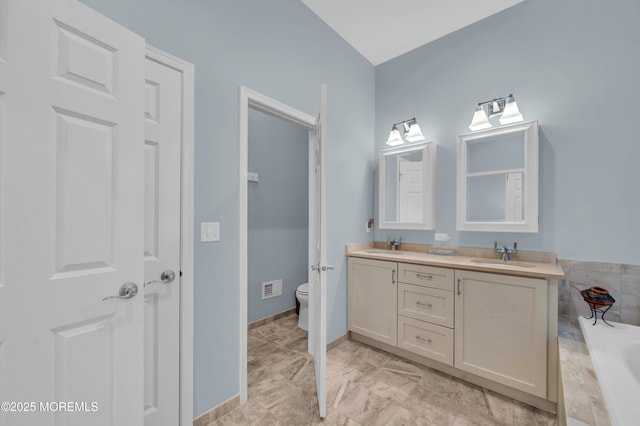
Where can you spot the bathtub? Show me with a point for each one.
(615, 353)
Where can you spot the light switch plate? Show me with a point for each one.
(209, 231)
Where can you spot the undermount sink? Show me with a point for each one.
(383, 251)
(502, 263)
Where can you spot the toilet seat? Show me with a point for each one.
(303, 289)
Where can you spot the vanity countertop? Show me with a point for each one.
(519, 266)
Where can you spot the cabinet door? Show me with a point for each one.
(501, 329)
(373, 299)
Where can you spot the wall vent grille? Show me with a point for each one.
(271, 289)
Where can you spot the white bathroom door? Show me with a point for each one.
(514, 207)
(72, 216)
(162, 159)
(410, 191)
(318, 256)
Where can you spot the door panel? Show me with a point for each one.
(162, 148)
(72, 343)
(84, 177)
(74, 211)
(84, 61)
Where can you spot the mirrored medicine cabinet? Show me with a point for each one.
(497, 179)
(406, 187)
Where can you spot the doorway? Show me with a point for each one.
(317, 229)
(278, 214)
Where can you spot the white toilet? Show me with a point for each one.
(302, 294)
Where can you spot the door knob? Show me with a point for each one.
(321, 268)
(127, 291)
(165, 278)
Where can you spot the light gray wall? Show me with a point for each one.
(278, 227)
(281, 49)
(572, 65)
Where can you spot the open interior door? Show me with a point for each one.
(318, 256)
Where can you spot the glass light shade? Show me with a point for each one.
(480, 120)
(394, 138)
(414, 134)
(511, 113)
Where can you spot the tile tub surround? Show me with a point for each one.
(365, 387)
(622, 281)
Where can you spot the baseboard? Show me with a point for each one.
(267, 320)
(337, 342)
(216, 412)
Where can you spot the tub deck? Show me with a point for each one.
(615, 353)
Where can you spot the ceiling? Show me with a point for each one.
(383, 29)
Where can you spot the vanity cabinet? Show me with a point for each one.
(425, 311)
(373, 295)
(501, 329)
(496, 330)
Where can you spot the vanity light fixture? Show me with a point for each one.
(506, 107)
(410, 129)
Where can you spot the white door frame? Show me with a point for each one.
(186, 243)
(257, 101)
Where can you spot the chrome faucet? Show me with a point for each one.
(505, 251)
(393, 243)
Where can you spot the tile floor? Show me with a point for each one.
(365, 387)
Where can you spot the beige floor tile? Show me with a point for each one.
(247, 414)
(477, 420)
(391, 385)
(511, 412)
(365, 387)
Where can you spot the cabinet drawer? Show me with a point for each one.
(429, 340)
(429, 276)
(426, 304)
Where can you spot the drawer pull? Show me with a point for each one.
(459, 287)
(393, 276)
(423, 339)
(424, 277)
(428, 305)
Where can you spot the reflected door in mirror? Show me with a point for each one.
(407, 177)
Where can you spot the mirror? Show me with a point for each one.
(406, 185)
(498, 179)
